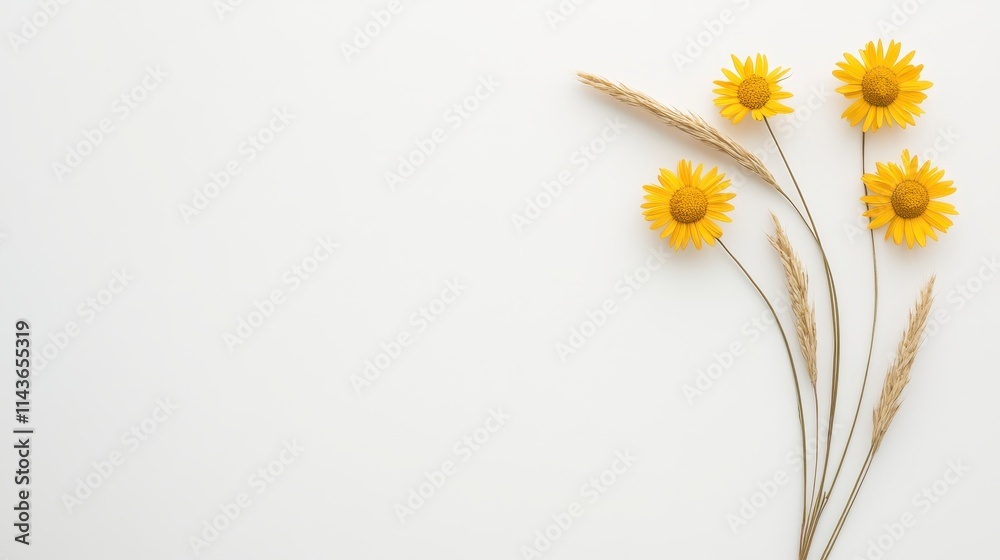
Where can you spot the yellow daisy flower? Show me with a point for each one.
(906, 199)
(751, 90)
(886, 88)
(686, 204)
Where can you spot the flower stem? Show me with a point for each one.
(871, 342)
(795, 376)
(835, 312)
(858, 482)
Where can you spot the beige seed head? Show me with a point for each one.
(898, 374)
(688, 123)
(797, 280)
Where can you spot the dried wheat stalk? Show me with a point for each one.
(798, 293)
(689, 123)
(898, 374)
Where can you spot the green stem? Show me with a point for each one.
(858, 482)
(835, 312)
(871, 342)
(791, 362)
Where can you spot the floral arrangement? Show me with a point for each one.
(688, 204)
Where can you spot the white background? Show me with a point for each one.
(495, 347)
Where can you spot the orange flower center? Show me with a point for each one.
(880, 87)
(754, 92)
(688, 205)
(910, 199)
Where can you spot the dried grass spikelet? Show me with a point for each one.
(898, 374)
(798, 293)
(689, 123)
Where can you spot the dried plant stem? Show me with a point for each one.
(855, 490)
(816, 457)
(795, 376)
(890, 400)
(689, 123)
(835, 377)
(871, 342)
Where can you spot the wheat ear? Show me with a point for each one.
(688, 123)
(798, 293)
(898, 374)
